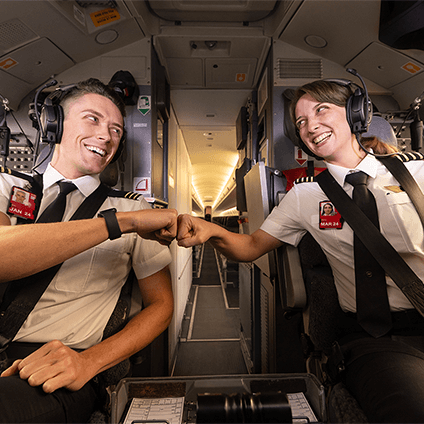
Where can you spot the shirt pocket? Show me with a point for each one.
(95, 269)
(407, 234)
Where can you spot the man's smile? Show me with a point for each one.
(96, 150)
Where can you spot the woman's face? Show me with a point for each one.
(324, 129)
(328, 209)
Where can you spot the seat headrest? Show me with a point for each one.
(382, 129)
(110, 174)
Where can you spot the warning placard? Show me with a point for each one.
(142, 185)
(105, 16)
(412, 68)
(240, 77)
(300, 156)
(8, 63)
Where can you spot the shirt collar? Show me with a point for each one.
(368, 165)
(86, 184)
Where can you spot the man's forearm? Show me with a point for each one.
(142, 329)
(28, 249)
(133, 338)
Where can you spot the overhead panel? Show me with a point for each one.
(99, 26)
(13, 34)
(91, 16)
(230, 73)
(331, 30)
(196, 57)
(385, 65)
(185, 72)
(34, 61)
(212, 11)
(13, 89)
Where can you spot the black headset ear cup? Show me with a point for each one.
(60, 119)
(358, 112)
(51, 120)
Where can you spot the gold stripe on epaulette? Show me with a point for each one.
(5, 170)
(131, 195)
(304, 180)
(408, 156)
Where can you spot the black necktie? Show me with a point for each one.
(372, 304)
(54, 212)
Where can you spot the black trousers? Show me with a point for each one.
(386, 375)
(21, 403)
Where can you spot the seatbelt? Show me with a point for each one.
(410, 284)
(16, 308)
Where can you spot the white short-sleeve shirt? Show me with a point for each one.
(399, 223)
(77, 305)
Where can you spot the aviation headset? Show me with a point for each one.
(358, 108)
(50, 118)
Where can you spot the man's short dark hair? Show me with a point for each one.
(92, 86)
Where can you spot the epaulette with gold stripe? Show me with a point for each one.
(304, 180)
(408, 156)
(5, 170)
(125, 194)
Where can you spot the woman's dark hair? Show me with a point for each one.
(322, 91)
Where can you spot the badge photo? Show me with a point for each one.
(328, 216)
(22, 203)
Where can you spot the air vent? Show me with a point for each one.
(299, 68)
(14, 34)
(101, 3)
(264, 300)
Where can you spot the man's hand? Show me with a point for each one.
(192, 231)
(53, 366)
(156, 224)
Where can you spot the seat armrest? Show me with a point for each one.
(293, 291)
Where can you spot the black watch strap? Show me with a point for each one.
(111, 223)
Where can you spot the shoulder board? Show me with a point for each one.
(408, 156)
(125, 194)
(304, 180)
(5, 170)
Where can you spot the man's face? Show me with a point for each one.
(20, 196)
(92, 131)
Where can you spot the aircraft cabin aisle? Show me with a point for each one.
(210, 338)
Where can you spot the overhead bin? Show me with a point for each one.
(212, 11)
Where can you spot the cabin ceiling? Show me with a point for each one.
(202, 45)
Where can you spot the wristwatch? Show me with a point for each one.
(111, 223)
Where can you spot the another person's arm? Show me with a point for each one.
(237, 247)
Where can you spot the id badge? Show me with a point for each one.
(22, 203)
(329, 217)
